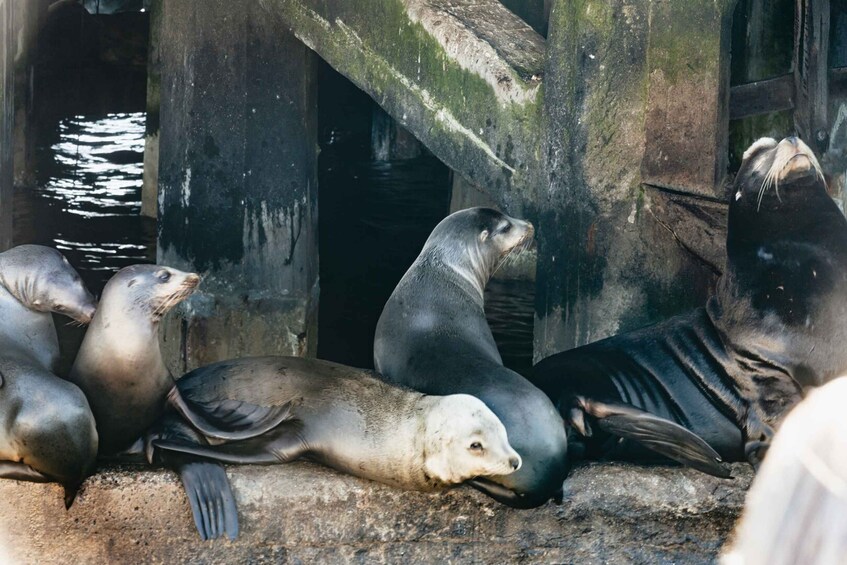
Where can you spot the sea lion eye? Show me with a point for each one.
(476, 446)
(505, 228)
(163, 275)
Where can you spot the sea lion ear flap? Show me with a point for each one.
(483, 235)
(658, 434)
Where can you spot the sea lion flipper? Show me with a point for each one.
(283, 447)
(22, 472)
(211, 499)
(229, 420)
(658, 434)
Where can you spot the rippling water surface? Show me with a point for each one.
(88, 196)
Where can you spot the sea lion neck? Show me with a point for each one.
(31, 333)
(469, 272)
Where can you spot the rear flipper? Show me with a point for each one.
(211, 499)
(23, 472)
(206, 484)
(229, 420)
(658, 434)
(280, 446)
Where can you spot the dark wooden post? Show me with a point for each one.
(7, 113)
(238, 181)
(811, 70)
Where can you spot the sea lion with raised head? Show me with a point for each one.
(120, 368)
(728, 372)
(350, 420)
(433, 337)
(47, 431)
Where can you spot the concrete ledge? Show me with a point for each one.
(306, 513)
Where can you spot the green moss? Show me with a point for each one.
(686, 37)
(370, 42)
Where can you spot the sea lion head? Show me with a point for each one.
(475, 242)
(773, 174)
(149, 289)
(43, 280)
(465, 440)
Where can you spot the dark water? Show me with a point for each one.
(88, 196)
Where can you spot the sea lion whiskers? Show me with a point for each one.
(181, 293)
(786, 151)
(511, 255)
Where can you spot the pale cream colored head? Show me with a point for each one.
(464, 440)
(775, 162)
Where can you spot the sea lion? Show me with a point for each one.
(47, 431)
(350, 420)
(728, 372)
(433, 337)
(119, 367)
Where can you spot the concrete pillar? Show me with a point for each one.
(7, 111)
(150, 183)
(614, 252)
(238, 181)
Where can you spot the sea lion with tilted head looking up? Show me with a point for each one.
(47, 430)
(347, 419)
(433, 337)
(728, 372)
(120, 368)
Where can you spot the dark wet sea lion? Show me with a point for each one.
(350, 420)
(47, 429)
(433, 337)
(729, 372)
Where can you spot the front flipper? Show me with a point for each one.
(211, 499)
(23, 472)
(284, 446)
(229, 420)
(510, 498)
(658, 434)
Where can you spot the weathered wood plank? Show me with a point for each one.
(811, 70)
(7, 112)
(761, 97)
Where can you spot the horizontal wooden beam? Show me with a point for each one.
(761, 97)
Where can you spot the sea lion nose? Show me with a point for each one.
(192, 279)
(515, 463)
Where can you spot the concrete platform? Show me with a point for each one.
(304, 513)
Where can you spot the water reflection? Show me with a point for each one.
(97, 166)
(88, 196)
